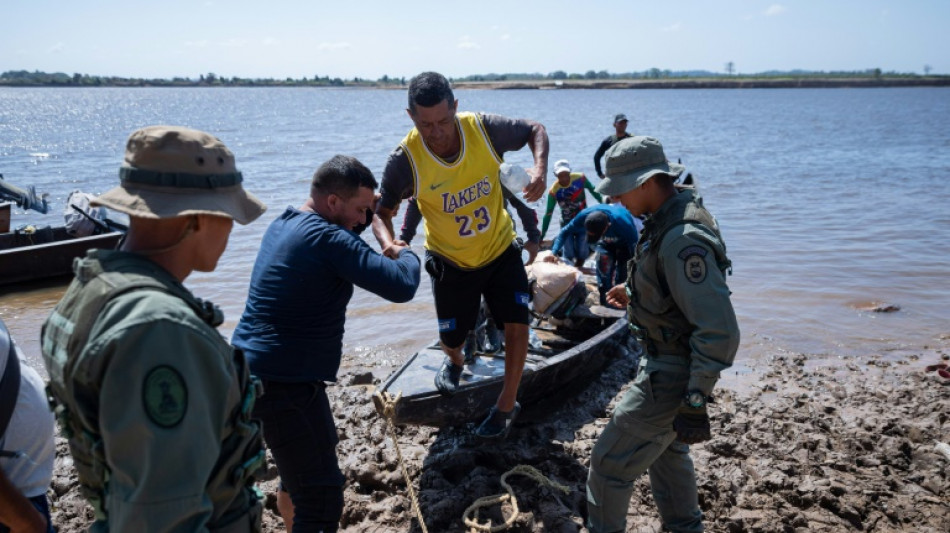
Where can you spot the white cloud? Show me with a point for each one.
(57, 48)
(466, 42)
(775, 9)
(269, 41)
(234, 43)
(676, 26)
(197, 44)
(333, 46)
(505, 37)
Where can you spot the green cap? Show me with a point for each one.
(631, 162)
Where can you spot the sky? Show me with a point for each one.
(371, 38)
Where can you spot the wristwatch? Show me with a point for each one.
(695, 399)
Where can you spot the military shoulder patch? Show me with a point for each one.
(165, 396)
(694, 263)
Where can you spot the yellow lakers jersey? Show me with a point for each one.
(461, 202)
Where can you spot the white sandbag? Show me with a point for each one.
(551, 282)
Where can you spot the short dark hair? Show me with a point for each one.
(428, 89)
(596, 224)
(342, 175)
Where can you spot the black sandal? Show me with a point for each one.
(498, 423)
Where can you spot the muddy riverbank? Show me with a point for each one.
(796, 447)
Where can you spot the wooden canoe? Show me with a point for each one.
(45, 253)
(571, 353)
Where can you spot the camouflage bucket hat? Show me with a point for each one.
(172, 171)
(631, 162)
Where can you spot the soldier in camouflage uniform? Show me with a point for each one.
(679, 308)
(155, 403)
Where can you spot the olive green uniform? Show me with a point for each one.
(154, 401)
(681, 312)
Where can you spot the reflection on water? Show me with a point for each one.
(827, 198)
(24, 309)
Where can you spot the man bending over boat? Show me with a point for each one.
(449, 161)
(292, 330)
(613, 232)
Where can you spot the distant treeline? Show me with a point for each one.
(659, 74)
(59, 79)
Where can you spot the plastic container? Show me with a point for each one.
(515, 179)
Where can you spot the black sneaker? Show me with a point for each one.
(498, 423)
(447, 378)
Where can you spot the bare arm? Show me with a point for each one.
(538, 143)
(16, 512)
(383, 230)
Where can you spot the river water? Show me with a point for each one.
(829, 199)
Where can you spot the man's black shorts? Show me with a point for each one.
(458, 293)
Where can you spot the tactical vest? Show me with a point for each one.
(654, 317)
(101, 276)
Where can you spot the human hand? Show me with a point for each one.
(537, 186)
(617, 296)
(552, 259)
(692, 425)
(392, 251)
(532, 249)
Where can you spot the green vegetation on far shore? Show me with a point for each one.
(652, 78)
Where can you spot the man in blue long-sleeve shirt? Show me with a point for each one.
(614, 233)
(292, 330)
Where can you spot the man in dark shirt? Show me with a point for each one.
(292, 330)
(620, 125)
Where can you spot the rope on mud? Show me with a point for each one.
(486, 501)
(389, 411)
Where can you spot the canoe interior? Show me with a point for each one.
(571, 352)
(46, 253)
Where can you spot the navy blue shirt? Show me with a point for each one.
(292, 326)
(623, 229)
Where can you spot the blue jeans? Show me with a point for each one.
(42, 505)
(575, 248)
(640, 438)
(299, 430)
(611, 267)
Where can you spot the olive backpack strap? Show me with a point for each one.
(9, 386)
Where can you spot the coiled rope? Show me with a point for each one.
(388, 403)
(525, 470)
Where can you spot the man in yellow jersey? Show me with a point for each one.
(449, 161)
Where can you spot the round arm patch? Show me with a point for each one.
(165, 396)
(694, 263)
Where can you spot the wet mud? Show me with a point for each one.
(848, 447)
